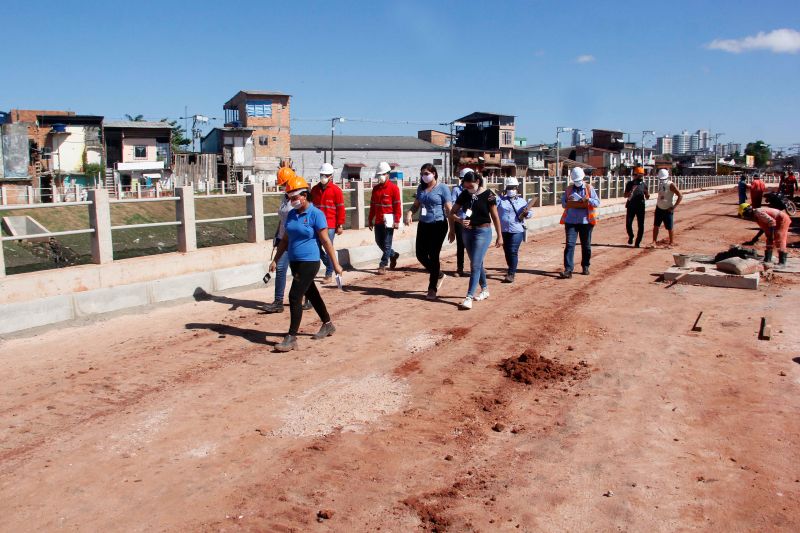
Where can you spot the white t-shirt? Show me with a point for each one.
(665, 195)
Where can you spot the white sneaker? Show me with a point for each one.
(482, 296)
(467, 303)
(440, 282)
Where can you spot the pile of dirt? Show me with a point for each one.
(531, 367)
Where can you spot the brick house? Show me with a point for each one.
(485, 142)
(138, 151)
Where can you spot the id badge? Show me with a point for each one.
(468, 213)
(423, 212)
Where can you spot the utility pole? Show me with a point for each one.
(333, 129)
(716, 155)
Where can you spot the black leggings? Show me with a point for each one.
(303, 273)
(638, 212)
(459, 249)
(430, 237)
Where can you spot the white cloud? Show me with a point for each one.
(586, 58)
(782, 41)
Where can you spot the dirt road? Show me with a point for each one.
(183, 419)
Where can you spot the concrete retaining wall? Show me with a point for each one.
(59, 295)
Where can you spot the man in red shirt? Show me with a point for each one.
(757, 191)
(790, 185)
(328, 198)
(385, 210)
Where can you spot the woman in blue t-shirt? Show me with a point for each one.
(306, 230)
(433, 203)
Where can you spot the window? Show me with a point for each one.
(140, 152)
(437, 162)
(231, 115)
(259, 108)
(507, 138)
(263, 140)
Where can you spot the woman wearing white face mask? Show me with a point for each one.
(433, 203)
(512, 210)
(480, 212)
(306, 229)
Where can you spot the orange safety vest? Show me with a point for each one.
(591, 215)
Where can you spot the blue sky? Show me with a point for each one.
(628, 65)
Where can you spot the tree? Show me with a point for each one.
(761, 152)
(135, 118)
(178, 139)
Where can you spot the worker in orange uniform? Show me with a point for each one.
(385, 210)
(775, 223)
(757, 188)
(328, 198)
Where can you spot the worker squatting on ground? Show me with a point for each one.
(285, 173)
(306, 229)
(636, 193)
(512, 209)
(480, 212)
(775, 223)
(458, 189)
(580, 203)
(385, 210)
(433, 203)
(328, 198)
(665, 206)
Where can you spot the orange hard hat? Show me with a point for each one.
(296, 183)
(284, 175)
(638, 170)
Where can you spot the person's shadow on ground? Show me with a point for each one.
(393, 293)
(200, 295)
(534, 272)
(253, 335)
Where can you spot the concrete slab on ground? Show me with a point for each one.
(711, 277)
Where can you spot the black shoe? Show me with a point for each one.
(460, 273)
(393, 261)
(630, 241)
(274, 307)
(585, 271)
(326, 330)
(509, 278)
(565, 275)
(307, 305)
(288, 344)
(783, 258)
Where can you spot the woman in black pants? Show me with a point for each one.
(306, 230)
(433, 203)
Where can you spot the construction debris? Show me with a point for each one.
(697, 326)
(765, 332)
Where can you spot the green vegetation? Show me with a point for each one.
(761, 152)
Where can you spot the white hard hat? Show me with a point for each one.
(511, 182)
(383, 168)
(326, 169)
(576, 174)
(663, 174)
(464, 172)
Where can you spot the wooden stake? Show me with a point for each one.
(765, 333)
(697, 326)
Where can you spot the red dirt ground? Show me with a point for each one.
(182, 418)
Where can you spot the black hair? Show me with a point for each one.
(473, 176)
(430, 168)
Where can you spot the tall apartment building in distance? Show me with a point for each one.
(704, 138)
(681, 143)
(664, 145)
(578, 138)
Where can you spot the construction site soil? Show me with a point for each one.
(586, 404)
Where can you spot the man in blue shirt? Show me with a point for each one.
(580, 202)
(512, 210)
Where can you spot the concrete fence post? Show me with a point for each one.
(29, 194)
(255, 208)
(100, 222)
(357, 200)
(3, 195)
(525, 188)
(539, 187)
(2, 261)
(184, 213)
(555, 190)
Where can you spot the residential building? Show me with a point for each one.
(255, 138)
(532, 160)
(604, 161)
(356, 157)
(37, 137)
(664, 145)
(439, 138)
(681, 143)
(694, 143)
(704, 140)
(608, 139)
(71, 144)
(485, 142)
(138, 151)
(578, 138)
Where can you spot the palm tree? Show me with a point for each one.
(136, 118)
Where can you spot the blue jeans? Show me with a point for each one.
(383, 238)
(476, 242)
(324, 255)
(584, 231)
(511, 243)
(280, 274)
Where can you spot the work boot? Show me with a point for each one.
(585, 271)
(565, 275)
(274, 307)
(768, 256)
(509, 278)
(288, 344)
(393, 261)
(326, 330)
(783, 257)
(431, 295)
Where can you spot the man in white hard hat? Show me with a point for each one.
(328, 198)
(385, 210)
(665, 206)
(458, 189)
(580, 203)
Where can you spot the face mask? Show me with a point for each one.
(511, 193)
(382, 178)
(324, 180)
(296, 203)
(577, 185)
(427, 178)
